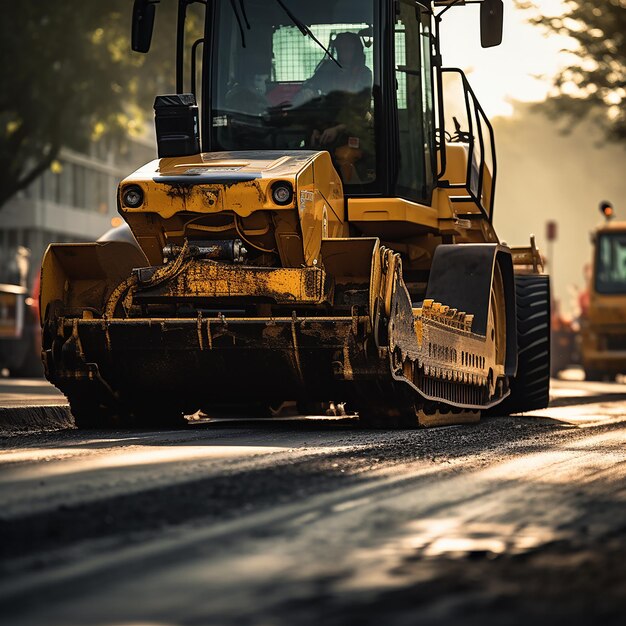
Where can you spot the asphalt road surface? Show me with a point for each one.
(514, 520)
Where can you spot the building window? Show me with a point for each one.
(79, 187)
(52, 187)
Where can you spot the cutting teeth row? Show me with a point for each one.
(445, 315)
(456, 376)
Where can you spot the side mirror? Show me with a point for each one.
(491, 20)
(143, 24)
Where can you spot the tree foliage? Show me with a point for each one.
(68, 77)
(594, 83)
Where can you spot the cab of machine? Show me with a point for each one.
(609, 268)
(326, 76)
(360, 79)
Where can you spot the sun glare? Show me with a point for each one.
(519, 69)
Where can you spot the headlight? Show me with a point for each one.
(132, 196)
(282, 193)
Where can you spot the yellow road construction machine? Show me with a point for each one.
(603, 325)
(314, 230)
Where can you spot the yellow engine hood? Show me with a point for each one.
(229, 194)
(214, 181)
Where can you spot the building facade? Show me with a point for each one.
(72, 202)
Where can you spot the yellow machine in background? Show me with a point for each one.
(323, 237)
(603, 328)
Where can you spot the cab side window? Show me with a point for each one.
(414, 102)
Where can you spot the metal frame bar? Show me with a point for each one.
(194, 49)
(471, 99)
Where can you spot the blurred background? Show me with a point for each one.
(555, 91)
(76, 117)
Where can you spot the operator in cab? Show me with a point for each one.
(343, 123)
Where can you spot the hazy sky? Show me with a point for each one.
(508, 72)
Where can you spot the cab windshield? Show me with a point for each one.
(611, 263)
(274, 87)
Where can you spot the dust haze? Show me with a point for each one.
(545, 175)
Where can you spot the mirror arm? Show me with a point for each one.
(448, 7)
